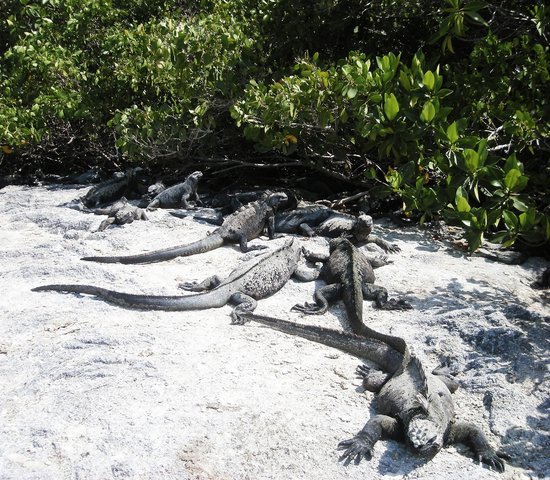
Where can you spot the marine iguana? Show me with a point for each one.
(240, 227)
(255, 279)
(120, 213)
(413, 405)
(320, 220)
(349, 275)
(112, 189)
(543, 282)
(152, 191)
(179, 194)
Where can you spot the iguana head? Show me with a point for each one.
(425, 436)
(275, 199)
(428, 428)
(196, 175)
(363, 227)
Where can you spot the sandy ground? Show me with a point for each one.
(93, 391)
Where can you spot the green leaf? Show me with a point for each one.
(519, 204)
(352, 92)
(405, 81)
(462, 205)
(428, 112)
(429, 80)
(527, 219)
(512, 162)
(476, 17)
(471, 158)
(475, 239)
(391, 106)
(510, 219)
(512, 178)
(452, 132)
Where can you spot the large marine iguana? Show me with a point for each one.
(255, 279)
(122, 184)
(413, 405)
(349, 275)
(179, 194)
(323, 221)
(120, 213)
(240, 227)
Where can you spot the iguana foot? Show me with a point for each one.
(393, 248)
(191, 286)
(492, 459)
(308, 308)
(356, 449)
(237, 319)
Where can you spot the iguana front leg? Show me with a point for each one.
(360, 446)
(383, 244)
(105, 223)
(472, 436)
(322, 296)
(270, 224)
(243, 244)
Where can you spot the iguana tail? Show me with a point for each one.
(378, 351)
(200, 246)
(200, 301)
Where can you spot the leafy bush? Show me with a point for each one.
(460, 130)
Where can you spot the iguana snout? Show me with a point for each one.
(424, 436)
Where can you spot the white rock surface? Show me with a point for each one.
(92, 391)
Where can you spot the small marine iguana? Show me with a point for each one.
(349, 275)
(112, 189)
(257, 278)
(179, 194)
(320, 220)
(413, 405)
(120, 213)
(543, 282)
(240, 227)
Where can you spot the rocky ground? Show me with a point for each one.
(93, 391)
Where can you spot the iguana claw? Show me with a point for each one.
(356, 449)
(492, 459)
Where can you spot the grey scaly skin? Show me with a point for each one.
(178, 195)
(120, 213)
(414, 406)
(112, 189)
(240, 227)
(320, 220)
(255, 279)
(349, 275)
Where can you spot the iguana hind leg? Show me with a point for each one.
(207, 284)
(360, 446)
(373, 379)
(323, 296)
(245, 304)
(380, 296)
(472, 436)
